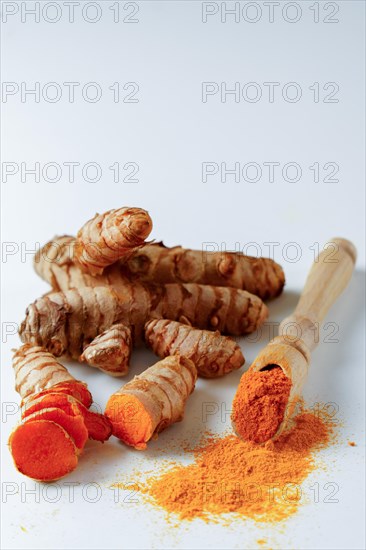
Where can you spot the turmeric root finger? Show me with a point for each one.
(43, 450)
(157, 263)
(229, 310)
(98, 425)
(37, 370)
(110, 351)
(111, 236)
(64, 322)
(214, 355)
(152, 401)
(55, 263)
(74, 425)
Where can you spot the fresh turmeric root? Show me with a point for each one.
(56, 422)
(110, 351)
(155, 263)
(65, 322)
(37, 372)
(111, 236)
(214, 355)
(152, 401)
(55, 263)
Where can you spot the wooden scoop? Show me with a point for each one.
(298, 333)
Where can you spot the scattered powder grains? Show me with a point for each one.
(259, 404)
(228, 475)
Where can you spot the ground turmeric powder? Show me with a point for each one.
(261, 482)
(259, 404)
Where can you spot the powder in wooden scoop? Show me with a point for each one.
(260, 403)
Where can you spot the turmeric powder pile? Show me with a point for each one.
(228, 475)
(260, 403)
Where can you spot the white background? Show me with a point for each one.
(169, 133)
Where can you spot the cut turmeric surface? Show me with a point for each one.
(43, 450)
(231, 476)
(97, 425)
(259, 404)
(111, 236)
(53, 419)
(152, 401)
(213, 354)
(73, 425)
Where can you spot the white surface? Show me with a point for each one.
(170, 133)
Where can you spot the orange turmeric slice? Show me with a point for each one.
(43, 450)
(98, 425)
(76, 389)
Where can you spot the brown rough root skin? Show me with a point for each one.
(36, 370)
(157, 263)
(110, 351)
(65, 322)
(214, 355)
(111, 236)
(152, 401)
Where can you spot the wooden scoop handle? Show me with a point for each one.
(328, 277)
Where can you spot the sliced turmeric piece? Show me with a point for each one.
(214, 355)
(52, 412)
(43, 450)
(72, 424)
(77, 390)
(152, 401)
(111, 236)
(97, 425)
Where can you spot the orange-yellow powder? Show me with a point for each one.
(262, 482)
(260, 403)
